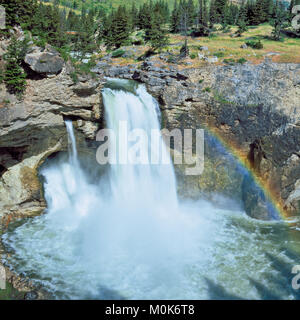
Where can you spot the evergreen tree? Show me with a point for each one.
(175, 17)
(279, 20)
(134, 14)
(144, 16)
(250, 16)
(19, 12)
(242, 26)
(156, 34)
(203, 19)
(47, 25)
(268, 8)
(259, 14)
(220, 7)
(119, 28)
(212, 13)
(192, 13)
(14, 75)
(85, 41)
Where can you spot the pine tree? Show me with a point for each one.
(175, 25)
(144, 16)
(259, 14)
(134, 14)
(119, 28)
(250, 16)
(19, 12)
(280, 18)
(47, 25)
(14, 75)
(268, 8)
(212, 13)
(157, 35)
(242, 26)
(203, 18)
(220, 7)
(192, 13)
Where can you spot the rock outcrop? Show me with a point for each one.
(253, 108)
(33, 129)
(44, 61)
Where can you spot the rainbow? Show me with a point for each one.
(270, 194)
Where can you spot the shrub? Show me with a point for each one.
(255, 44)
(193, 56)
(241, 60)
(64, 52)
(117, 53)
(219, 54)
(172, 59)
(207, 89)
(81, 68)
(229, 61)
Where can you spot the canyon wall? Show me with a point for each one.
(253, 108)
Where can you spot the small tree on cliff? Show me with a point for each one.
(14, 75)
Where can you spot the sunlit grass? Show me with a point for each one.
(288, 50)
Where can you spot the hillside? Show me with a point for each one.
(108, 4)
(104, 4)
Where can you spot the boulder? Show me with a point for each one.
(201, 56)
(47, 62)
(203, 48)
(213, 59)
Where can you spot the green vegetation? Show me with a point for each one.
(255, 44)
(13, 74)
(117, 53)
(241, 60)
(79, 30)
(10, 293)
(231, 61)
(220, 98)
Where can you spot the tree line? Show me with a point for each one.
(83, 33)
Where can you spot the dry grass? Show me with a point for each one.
(288, 50)
(230, 47)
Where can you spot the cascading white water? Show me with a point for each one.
(127, 236)
(73, 156)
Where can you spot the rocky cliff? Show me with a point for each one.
(33, 129)
(254, 108)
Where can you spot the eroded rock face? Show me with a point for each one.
(33, 129)
(254, 108)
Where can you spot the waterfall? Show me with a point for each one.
(139, 185)
(73, 156)
(125, 235)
